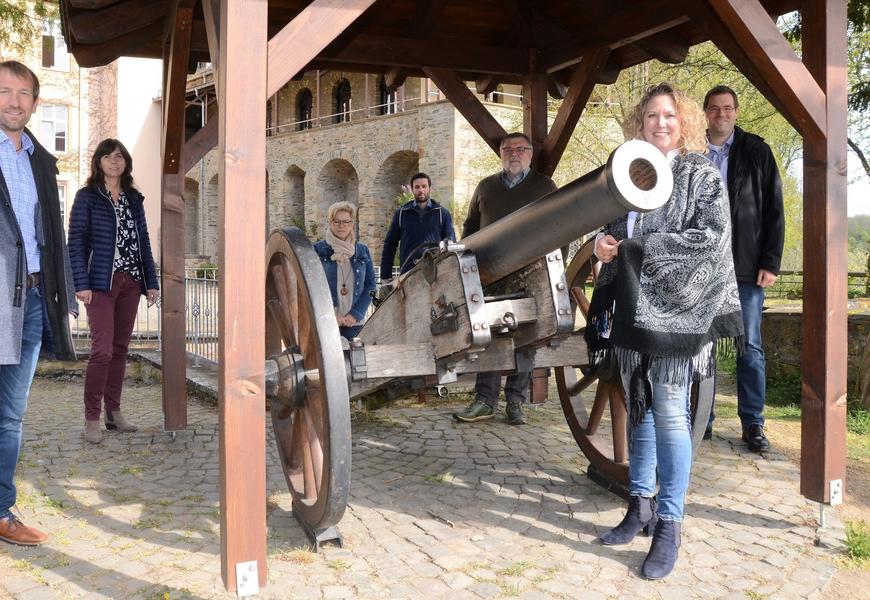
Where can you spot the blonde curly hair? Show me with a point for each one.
(693, 125)
(342, 206)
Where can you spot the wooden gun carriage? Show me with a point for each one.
(501, 299)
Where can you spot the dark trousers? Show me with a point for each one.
(111, 316)
(516, 387)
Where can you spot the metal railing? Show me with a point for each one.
(790, 285)
(201, 317)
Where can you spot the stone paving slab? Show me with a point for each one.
(437, 509)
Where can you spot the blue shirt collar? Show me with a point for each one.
(724, 147)
(26, 142)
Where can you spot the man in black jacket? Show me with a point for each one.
(758, 230)
(36, 292)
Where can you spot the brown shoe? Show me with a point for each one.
(93, 433)
(116, 421)
(12, 530)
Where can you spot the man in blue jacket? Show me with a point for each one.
(416, 223)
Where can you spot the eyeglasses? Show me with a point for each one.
(342, 222)
(514, 149)
(725, 110)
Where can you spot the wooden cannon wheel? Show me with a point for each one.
(608, 454)
(312, 421)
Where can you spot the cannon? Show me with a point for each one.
(501, 299)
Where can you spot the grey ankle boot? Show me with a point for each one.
(641, 516)
(664, 550)
(116, 421)
(93, 433)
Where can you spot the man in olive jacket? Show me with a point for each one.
(36, 292)
(749, 170)
(496, 197)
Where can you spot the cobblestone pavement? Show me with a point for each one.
(437, 509)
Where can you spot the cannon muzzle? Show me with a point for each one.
(636, 177)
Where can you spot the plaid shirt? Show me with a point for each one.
(22, 188)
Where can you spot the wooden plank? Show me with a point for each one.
(99, 55)
(468, 105)
(117, 20)
(200, 144)
(823, 359)
(580, 87)
(92, 4)
(175, 89)
(241, 258)
(395, 78)
(757, 36)
(535, 110)
(173, 326)
(318, 24)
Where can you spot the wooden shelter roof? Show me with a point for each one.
(488, 41)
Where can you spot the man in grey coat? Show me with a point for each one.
(36, 292)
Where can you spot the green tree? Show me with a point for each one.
(21, 22)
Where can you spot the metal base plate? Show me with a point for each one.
(317, 537)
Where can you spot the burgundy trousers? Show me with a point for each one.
(111, 316)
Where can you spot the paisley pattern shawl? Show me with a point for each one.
(671, 292)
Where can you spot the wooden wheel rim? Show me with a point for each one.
(313, 435)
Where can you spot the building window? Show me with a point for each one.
(54, 54)
(54, 127)
(61, 194)
(304, 103)
(387, 104)
(342, 101)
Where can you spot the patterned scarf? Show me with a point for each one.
(342, 249)
(671, 292)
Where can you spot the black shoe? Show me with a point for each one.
(641, 516)
(708, 433)
(664, 550)
(514, 414)
(755, 439)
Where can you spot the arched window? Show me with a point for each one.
(342, 101)
(304, 102)
(387, 102)
(269, 118)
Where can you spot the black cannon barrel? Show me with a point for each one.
(636, 177)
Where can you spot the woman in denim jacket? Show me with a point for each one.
(348, 267)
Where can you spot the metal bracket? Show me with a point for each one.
(445, 321)
(247, 580)
(445, 372)
(318, 537)
(481, 336)
(559, 289)
(836, 491)
(357, 357)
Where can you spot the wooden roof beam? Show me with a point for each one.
(518, 11)
(200, 144)
(408, 52)
(759, 41)
(115, 21)
(317, 25)
(468, 105)
(92, 4)
(425, 18)
(582, 83)
(211, 13)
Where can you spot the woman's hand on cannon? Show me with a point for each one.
(606, 248)
(347, 320)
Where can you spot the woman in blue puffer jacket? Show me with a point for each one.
(349, 269)
(112, 265)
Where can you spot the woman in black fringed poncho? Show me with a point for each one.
(665, 295)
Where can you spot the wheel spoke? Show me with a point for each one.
(282, 306)
(315, 450)
(602, 400)
(619, 422)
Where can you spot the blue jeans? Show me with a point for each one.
(750, 366)
(15, 383)
(662, 442)
(516, 387)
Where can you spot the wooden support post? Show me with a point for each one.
(468, 105)
(174, 350)
(535, 110)
(823, 360)
(241, 342)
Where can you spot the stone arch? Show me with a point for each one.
(375, 216)
(338, 181)
(291, 204)
(192, 205)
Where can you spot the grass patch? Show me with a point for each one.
(789, 412)
(436, 477)
(516, 569)
(147, 524)
(338, 565)
(297, 556)
(547, 575)
(858, 540)
(753, 595)
(131, 470)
